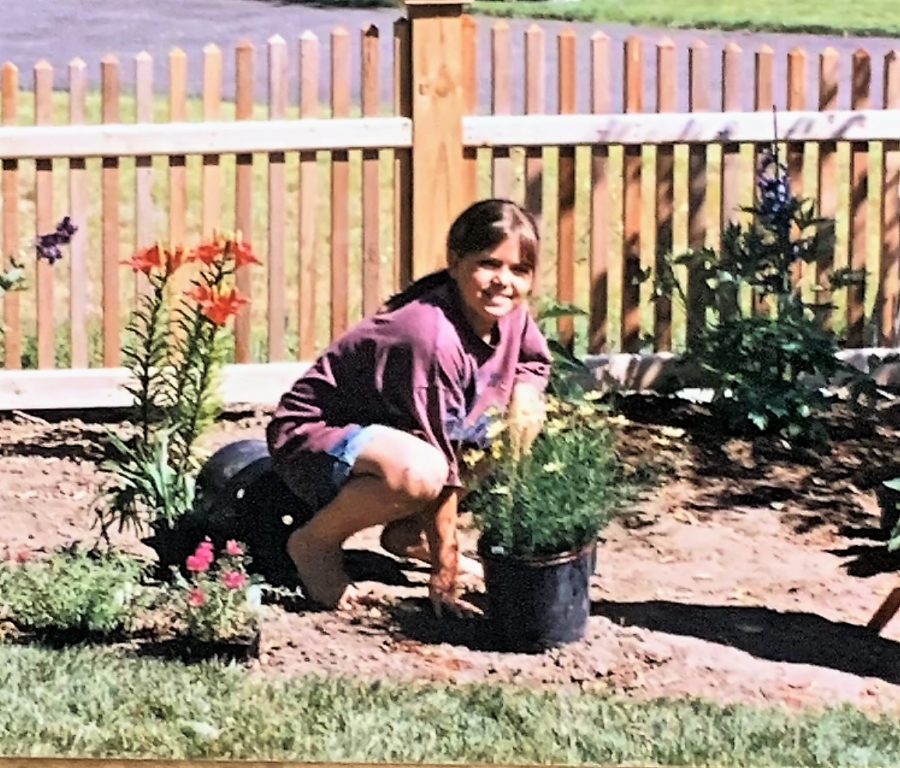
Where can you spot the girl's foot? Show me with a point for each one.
(321, 570)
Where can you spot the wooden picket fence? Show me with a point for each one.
(348, 199)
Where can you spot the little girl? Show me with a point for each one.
(371, 434)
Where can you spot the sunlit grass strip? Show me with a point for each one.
(99, 703)
(868, 17)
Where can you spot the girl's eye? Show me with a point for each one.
(521, 270)
(489, 264)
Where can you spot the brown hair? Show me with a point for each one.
(481, 227)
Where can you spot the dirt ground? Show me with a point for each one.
(747, 574)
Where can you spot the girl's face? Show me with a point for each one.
(492, 283)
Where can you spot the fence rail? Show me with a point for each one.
(347, 199)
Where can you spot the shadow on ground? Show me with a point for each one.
(796, 638)
(415, 620)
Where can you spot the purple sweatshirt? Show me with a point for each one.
(421, 369)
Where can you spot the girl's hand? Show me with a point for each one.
(525, 416)
(442, 593)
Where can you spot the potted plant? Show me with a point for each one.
(539, 516)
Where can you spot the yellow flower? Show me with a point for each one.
(472, 457)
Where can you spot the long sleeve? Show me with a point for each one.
(533, 367)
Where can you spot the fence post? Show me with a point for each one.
(438, 106)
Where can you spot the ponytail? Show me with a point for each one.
(420, 287)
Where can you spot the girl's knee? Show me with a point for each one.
(424, 475)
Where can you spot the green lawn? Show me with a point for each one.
(867, 17)
(100, 703)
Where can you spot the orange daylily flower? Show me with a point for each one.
(147, 260)
(243, 254)
(156, 257)
(208, 253)
(222, 247)
(217, 304)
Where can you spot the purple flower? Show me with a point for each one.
(48, 246)
(775, 196)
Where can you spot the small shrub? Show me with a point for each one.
(764, 362)
(218, 600)
(73, 591)
(556, 498)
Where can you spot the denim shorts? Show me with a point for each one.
(318, 477)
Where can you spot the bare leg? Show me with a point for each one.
(394, 476)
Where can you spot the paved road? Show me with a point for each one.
(60, 30)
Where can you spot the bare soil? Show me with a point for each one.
(747, 573)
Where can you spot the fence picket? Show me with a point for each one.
(796, 150)
(664, 207)
(144, 230)
(598, 323)
(43, 114)
(340, 187)
(371, 198)
(12, 330)
(827, 190)
(566, 188)
(501, 104)
(178, 194)
(763, 101)
(535, 104)
(470, 89)
(245, 66)
(79, 275)
(276, 308)
(307, 269)
(403, 197)
(109, 75)
(860, 96)
(888, 304)
(211, 194)
(697, 226)
(632, 174)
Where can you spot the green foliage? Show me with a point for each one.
(556, 498)
(218, 600)
(568, 370)
(765, 366)
(175, 349)
(74, 591)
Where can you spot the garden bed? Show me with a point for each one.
(747, 575)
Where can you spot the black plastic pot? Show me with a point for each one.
(239, 496)
(537, 603)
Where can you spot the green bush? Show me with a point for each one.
(73, 591)
(765, 359)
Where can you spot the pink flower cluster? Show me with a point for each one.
(201, 561)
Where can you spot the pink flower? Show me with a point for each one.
(197, 563)
(233, 549)
(206, 545)
(196, 597)
(23, 556)
(234, 579)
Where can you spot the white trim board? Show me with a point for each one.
(262, 384)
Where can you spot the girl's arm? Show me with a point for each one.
(526, 412)
(440, 530)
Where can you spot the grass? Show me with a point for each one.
(100, 703)
(868, 17)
